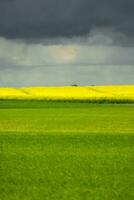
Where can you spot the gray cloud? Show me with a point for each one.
(33, 20)
(96, 51)
(61, 42)
(67, 75)
(23, 64)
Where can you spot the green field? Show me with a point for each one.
(66, 151)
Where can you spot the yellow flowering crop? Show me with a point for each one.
(12, 93)
(119, 92)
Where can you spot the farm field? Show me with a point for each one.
(114, 94)
(66, 150)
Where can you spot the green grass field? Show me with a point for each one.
(66, 151)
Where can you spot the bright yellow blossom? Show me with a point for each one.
(118, 92)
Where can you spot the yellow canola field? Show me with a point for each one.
(12, 93)
(118, 92)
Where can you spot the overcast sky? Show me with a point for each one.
(64, 42)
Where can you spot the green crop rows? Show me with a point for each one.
(66, 151)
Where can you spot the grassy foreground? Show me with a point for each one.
(67, 151)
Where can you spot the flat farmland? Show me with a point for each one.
(64, 150)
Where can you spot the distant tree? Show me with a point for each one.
(74, 85)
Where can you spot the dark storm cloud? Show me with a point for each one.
(61, 42)
(35, 19)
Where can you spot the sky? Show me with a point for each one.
(65, 42)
